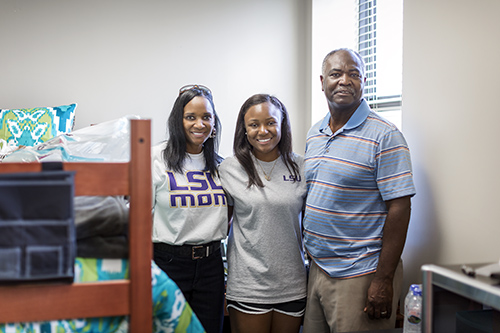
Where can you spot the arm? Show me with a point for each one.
(380, 291)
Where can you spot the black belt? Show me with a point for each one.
(189, 251)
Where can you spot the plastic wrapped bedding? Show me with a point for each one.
(101, 222)
(105, 142)
(171, 312)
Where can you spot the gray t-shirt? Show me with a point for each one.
(265, 252)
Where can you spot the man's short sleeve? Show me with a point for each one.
(394, 171)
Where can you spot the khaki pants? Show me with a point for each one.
(336, 305)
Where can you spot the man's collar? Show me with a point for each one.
(357, 118)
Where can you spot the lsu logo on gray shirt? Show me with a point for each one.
(195, 189)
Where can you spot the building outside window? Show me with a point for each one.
(374, 29)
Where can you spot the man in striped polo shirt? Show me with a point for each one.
(358, 171)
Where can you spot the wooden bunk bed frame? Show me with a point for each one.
(132, 297)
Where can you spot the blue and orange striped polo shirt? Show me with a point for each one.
(350, 174)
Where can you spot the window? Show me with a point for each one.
(376, 34)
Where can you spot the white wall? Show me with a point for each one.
(119, 57)
(451, 120)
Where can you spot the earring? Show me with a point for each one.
(213, 134)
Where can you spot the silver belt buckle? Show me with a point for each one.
(196, 254)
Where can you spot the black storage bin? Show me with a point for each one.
(37, 231)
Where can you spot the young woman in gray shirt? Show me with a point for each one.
(264, 183)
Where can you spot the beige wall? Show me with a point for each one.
(120, 57)
(451, 120)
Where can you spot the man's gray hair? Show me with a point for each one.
(331, 53)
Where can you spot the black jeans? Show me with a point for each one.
(202, 283)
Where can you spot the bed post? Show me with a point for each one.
(140, 226)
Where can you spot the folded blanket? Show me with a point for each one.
(111, 247)
(101, 226)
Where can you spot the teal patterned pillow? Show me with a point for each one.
(29, 127)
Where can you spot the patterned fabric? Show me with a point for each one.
(171, 312)
(29, 127)
(350, 174)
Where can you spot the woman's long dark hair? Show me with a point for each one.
(243, 149)
(175, 152)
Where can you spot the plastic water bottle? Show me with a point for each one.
(413, 310)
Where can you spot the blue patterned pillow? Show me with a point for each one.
(29, 127)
